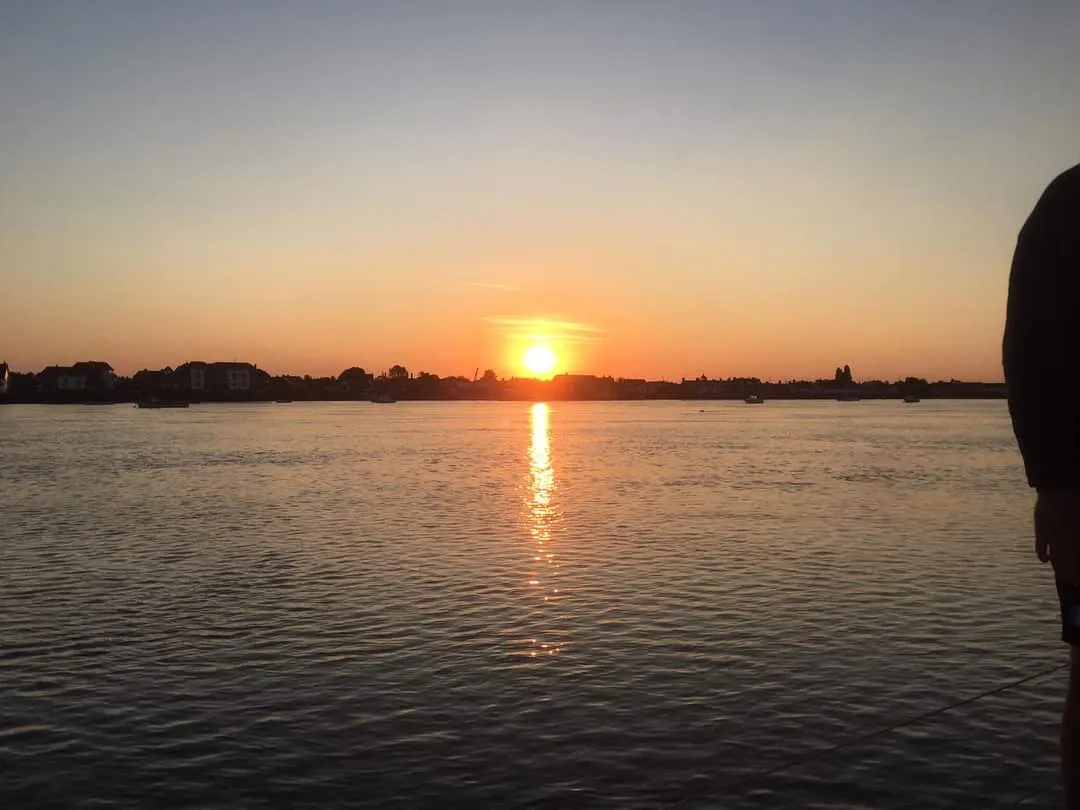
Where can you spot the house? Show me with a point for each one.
(628, 388)
(659, 389)
(149, 382)
(4, 379)
(90, 376)
(220, 378)
(582, 386)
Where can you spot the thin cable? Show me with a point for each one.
(742, 784)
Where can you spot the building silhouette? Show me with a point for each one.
(90, 376)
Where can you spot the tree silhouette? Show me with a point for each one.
(426, 384)
(489, 376)
(398, 373)
(355, 378)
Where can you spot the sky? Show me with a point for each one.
(650, 189)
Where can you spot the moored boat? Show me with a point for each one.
(157, 403)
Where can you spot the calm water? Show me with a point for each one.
(506, 605)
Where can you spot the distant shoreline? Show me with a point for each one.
(95, 382)
(985, 397)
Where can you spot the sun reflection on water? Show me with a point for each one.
(540, 517)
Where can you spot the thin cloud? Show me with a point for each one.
(568, 332)
(494, 285)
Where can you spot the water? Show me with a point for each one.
(577, 605)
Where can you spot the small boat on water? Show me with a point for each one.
(911, 399)
(383, 399)
(283, 401)
(157, 403)
(753, 399)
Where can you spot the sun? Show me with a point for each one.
(539, 360)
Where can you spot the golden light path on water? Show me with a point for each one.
(541, 514)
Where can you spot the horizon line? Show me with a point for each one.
(662, 379)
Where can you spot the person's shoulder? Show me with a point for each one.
(1066, 186)
(1059, 204)
(1056, 212)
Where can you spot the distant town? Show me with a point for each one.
(196, 381)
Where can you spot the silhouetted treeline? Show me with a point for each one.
(196, 381)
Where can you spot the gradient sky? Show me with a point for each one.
(660, 188)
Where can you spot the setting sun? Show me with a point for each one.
(539, 360)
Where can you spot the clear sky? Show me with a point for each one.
(658, 189)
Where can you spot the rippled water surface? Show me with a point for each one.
(510, 605)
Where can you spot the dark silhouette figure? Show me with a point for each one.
(1041, 354)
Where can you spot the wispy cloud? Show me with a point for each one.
(567, 332)
(493, 285)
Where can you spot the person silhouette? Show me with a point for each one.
(1041, 359)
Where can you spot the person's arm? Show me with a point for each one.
(1042, 339)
